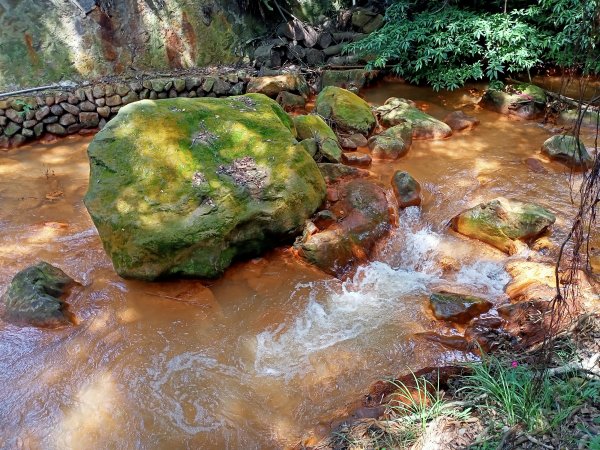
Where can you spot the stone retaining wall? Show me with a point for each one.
(86, 108)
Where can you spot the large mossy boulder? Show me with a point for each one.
(363, 218)
(501, 222)
(526, 101)
(568, 150)
(396, 111)
(184, 186)
(347, 111)
(36, 297)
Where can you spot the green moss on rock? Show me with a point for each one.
(347, 111)
(184, 186)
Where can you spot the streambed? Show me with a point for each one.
(274, 350)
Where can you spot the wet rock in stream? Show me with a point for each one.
(363, 217)
(502, 222)
(459, 308)
(36, 297)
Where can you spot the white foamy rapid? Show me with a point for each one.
(407, 267)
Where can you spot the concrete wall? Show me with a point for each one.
(45, 41)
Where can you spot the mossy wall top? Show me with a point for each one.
(45, 41)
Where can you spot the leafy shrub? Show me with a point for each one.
(449, 45)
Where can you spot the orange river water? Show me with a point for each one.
(272, 351)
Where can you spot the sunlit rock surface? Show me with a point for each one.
(185, 186)
(501, 222)
(568, 150)
(347, 111)
(397, 111)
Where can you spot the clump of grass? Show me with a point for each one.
(515, 396)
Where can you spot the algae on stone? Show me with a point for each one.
(184, 186)
(347, 111)
(568, 150)
(396, 111)
(501, 222)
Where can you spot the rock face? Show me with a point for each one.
(406, 189)
(501, 222)
(526, 101)
(362, 218)
(347, 111)
(396, 111)
(35, 297)
(185, 186)
(458, 308)
(568, 150)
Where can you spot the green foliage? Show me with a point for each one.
(449, 45)
(516, 394)
(422, 403)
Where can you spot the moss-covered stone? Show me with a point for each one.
(313, 126)
(524, 100)
(501, 222)
(184, 186)
(568, 150)
(35, 297)
(396, 111)
(347, 111)
(392, 143)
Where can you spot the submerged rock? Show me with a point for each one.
(363, 218)
(406, 189)
(459, 121)
(347, 111)
(568, 150)
(184, 186)
(396, 111)
(458, 308)
(36, 296)
(501, 222)
(526, 101)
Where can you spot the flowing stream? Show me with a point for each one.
(274, 350)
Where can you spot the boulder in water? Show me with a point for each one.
(393, 143)
(396, 111)
(459, 121)
(457, 308)
(347, 111)
(363, 218)
(36, 296)
(501, 222)
(526, 101)
(406, 189)
(568, 150)
(185, 186)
